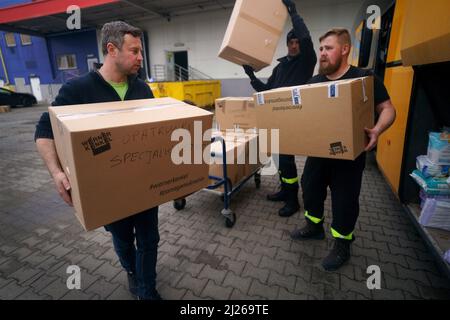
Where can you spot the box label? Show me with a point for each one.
(337, 148)
(333, 91)
(296, 97)
(98, 144)
(260, 99)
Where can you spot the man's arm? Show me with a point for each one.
(46, 145)
(387, 114)
(47, 150)
(257, 84)
(307, 53)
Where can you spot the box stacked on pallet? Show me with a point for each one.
(432, 175)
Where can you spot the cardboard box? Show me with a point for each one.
(244, 149)
(117, 155)
(253, 32)
(234, 113)
(322, 120)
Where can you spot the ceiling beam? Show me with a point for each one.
(151, 11)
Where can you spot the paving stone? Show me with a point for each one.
(56, 290)
(192, 284)
(169, 293)
(102, 288)
(77, 295)
(236, 267)
(42, 281)
(190, 267)
(264, 291)
(282, 281)
(31, 295)
(9, 267)
(107, 271)
(266, 251)
(11, 291)
(359, 287)
(401, 284)
(212, 274)
(257, 273)
(238, 295)
(301, 270)
(23, 274)
(233, 281)
(226, 252)
(120, 294)
(216, 292)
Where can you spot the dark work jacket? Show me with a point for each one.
(296, 70)
(90, 88)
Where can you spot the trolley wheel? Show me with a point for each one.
(230, 217)
(179, 204)
(257, 180)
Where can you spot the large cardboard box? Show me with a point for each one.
(322, 120)
(234, 113)
(118, 155)
(253, 32)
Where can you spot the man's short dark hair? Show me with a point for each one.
(114, 32)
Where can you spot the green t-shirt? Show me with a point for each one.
(121, 88)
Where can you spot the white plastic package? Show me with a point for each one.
(430, 169)
(436, 214)
(439, 148)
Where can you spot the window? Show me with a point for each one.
(10, 39)
(67, 61)
(25, 39)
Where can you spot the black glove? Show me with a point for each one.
(290, 5)
(249, 71)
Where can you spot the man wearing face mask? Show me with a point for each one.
(294, 69)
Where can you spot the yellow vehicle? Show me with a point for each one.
(202, 92)
(411, 53)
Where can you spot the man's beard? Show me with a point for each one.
(126, 71)
(330, 68)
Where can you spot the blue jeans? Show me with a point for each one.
(141, 260)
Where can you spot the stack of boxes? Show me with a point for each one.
(236, 125)
(432, 175)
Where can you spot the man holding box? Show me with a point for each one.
(342, 176)
(116, 80)
(294, 69)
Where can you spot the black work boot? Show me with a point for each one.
(311, 231)
(132, 283)
(292, 205)
(339, 255)
(278, 196)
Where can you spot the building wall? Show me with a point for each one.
(23, 61)
(8, 3)
(201, 35)
(83, 44)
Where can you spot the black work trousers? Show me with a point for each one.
(344, 178)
